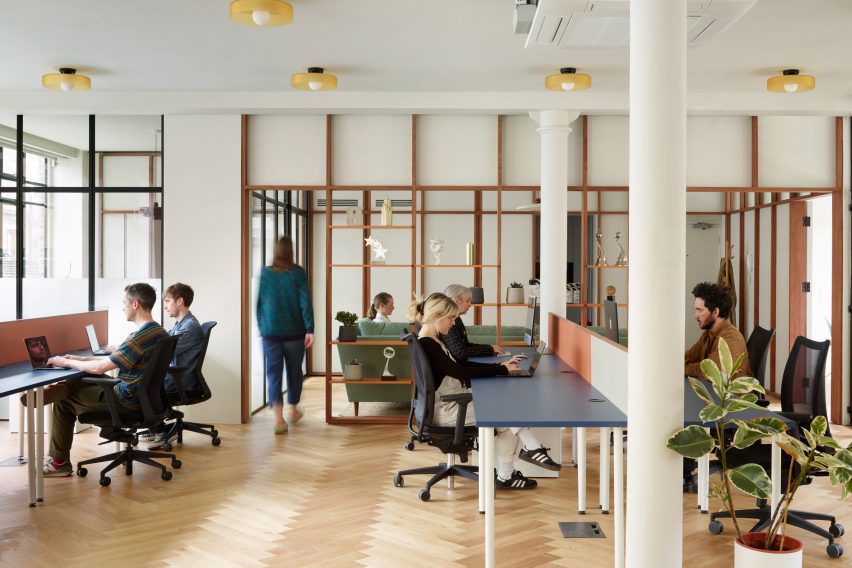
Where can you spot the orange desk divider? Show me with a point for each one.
(571, 343)
(64, 333)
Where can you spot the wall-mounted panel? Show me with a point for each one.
(608, 150)
(796, 151)
(371, 150)
(456, 150)
(718, 151)
(286, 150)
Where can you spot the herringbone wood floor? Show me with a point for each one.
(319, 496)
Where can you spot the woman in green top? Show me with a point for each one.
(286, 322)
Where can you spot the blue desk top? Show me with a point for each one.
(19, 377)
(555, 396)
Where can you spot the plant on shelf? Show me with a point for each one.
(348, 331)
(817, 452)
(515, 293)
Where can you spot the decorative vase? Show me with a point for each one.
(746, 556)
(514, 295)
(348, 333)
(353, 371)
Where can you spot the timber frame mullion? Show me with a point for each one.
(836, 363)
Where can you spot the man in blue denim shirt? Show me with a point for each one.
(176, 300)
(130, 358)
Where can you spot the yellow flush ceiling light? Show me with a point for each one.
(262, 13)
(568, 80)
(314, 80)
(790, 82)
(66, 80)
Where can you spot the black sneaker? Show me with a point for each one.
(540, 458)
(517, 481)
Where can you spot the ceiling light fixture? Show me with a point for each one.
(790, 82)
(314, 80)
(261, 13)
(66, 80)
(568, 80)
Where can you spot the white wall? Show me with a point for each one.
(202, 244)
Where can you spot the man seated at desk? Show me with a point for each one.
(456, 338)
(130, 358)
(712, 308)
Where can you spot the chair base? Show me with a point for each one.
(795, 518)
(438, 472)
(126, 457)
(176, 429)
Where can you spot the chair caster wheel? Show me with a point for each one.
(424, 495)
(834, 550)
(716, 527)
(836, 530)
(167, 447)
(167, 475)
(215, 433)
(105, 481)
(398, 480)
(176, 464)
(216, 441)
(82, 471)
(409, 446)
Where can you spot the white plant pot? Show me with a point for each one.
(514, 295)
(748, 557)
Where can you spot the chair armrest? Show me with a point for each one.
(107, 385)
(463, 399)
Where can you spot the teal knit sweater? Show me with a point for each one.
(284, 304)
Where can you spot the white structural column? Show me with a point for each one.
(554, 128)
(657, 274)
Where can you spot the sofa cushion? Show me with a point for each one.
(370, 327)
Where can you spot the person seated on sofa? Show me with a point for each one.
(712, 308)
(456, 338)
(381, 308)
(436, 315)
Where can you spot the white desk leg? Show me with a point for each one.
(574, 447)
(618, 497)
(487, 445)
(22, 413)
(31, 457)
(39, 443)
(481, 456)
(604, 473)
(776, 476)
(581, 470)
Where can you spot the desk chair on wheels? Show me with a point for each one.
(802, 400)
(120, 424)
(757, 348)
(459, 440)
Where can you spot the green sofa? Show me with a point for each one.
(373, 361)
(622, 333)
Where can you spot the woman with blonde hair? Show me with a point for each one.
(436, 314)
(285, 318)
(381, 308)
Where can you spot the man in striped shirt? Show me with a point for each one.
(130, 358)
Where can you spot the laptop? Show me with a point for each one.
(38, 352)
(93, 341)
(533, 363)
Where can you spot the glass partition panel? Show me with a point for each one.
(128, 151)
(8, 262)
(56, 149)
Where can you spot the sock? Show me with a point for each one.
(59, 462)
(505, 471)
(529, 439)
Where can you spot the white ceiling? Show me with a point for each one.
(187, 56)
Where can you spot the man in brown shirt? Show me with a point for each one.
(712, 308)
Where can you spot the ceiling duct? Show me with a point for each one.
(605, 24)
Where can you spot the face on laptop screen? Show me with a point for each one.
(37, 350)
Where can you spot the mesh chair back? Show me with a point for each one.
(152, 393)
(803, 384)
(423, 403)
(757, 347)
(206, 327)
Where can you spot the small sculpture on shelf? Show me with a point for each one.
(354, 216)
(389, 354)
(387, 212)
(610, 293)
(622, 255)
(601, 258)
(436, 245)
(377, 249)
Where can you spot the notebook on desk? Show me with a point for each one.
(38, 352)
(533, 363)
(94, 345)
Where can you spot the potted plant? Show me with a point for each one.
(735, 395)
(515, 293)
(348, 331)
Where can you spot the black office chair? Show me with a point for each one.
(120, 424)
(757, 347)
(802, 399)
(191, 389)
(459, 440)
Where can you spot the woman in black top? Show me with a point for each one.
(436, 315)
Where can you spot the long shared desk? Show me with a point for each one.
(17, 378)
(557, 396)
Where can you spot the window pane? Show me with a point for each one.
(10, 163)
(64, 141)
(56, 252)
(7, 256)
(257, 384)
(128, 151)
(35, 169)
